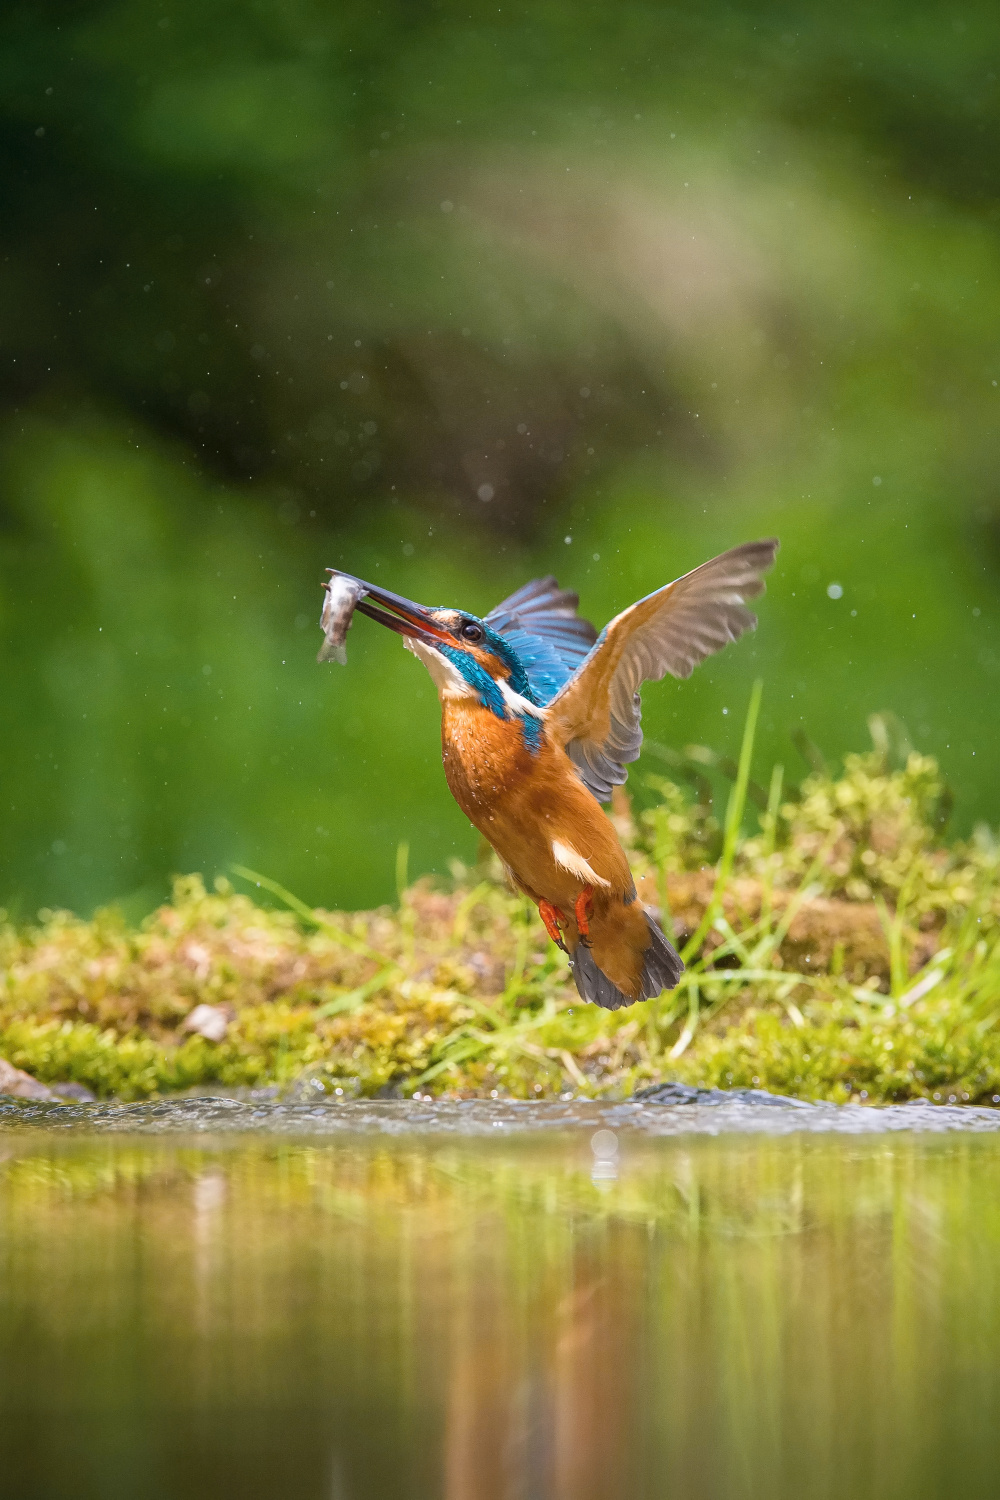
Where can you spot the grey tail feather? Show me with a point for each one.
(592, 983)
(662, 964)
(661, 969)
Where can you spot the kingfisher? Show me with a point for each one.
(540, 715)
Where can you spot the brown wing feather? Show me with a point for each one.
(597, 714)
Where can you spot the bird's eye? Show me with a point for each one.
(471, 631)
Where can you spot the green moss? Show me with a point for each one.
(851, 954)
(932, 1050)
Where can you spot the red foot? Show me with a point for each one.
(552, 916)
(582, 911)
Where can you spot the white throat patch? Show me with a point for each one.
(444, 674)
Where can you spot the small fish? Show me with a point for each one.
(339, 603)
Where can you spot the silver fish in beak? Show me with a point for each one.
(344, 594)
(339, 603)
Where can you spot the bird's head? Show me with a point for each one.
(464, 655)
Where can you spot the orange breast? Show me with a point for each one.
(485, 758)
(522, 801)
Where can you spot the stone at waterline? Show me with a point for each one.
(74, 1093)
(684, 1093)
(20, 1084)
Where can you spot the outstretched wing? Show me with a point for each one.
(597, 713)
(541, 625)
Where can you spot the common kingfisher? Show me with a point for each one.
(540, 716)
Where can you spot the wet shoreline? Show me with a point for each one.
(678, 1111)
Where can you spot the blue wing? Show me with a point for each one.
(541, 625)
(597, 713)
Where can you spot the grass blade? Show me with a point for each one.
(734, 817)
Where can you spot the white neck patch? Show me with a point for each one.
(516, 702)
(444, 674)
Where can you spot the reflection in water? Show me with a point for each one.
(579, 1316)
(604, 1145)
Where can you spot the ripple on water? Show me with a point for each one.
(670, 1110)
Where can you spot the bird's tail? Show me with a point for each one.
(657, 967)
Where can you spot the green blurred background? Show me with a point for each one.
(449, 295)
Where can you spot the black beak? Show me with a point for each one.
(401, 615)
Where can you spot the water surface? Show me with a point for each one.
(372, 1300)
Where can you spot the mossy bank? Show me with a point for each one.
(843, 949)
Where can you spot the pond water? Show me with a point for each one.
(379, 1301)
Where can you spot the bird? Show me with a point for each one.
(540, 715)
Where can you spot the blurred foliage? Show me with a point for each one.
(803, 976)
(449, 295)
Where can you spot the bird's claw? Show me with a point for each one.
(551, 917)
(582, 910)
